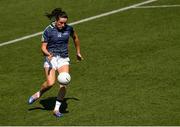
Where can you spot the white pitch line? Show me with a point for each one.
(81, 21)
(160, 6)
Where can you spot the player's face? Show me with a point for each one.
(61, 22)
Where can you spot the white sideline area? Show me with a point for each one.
(81, 21)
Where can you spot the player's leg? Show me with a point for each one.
(50, 80)
(61, 92)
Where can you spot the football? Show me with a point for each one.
(64, 78)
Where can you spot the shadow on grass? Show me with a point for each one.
(49, 103)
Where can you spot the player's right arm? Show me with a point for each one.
(45, 51)
(45, 39)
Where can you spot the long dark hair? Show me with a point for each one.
(56, 14)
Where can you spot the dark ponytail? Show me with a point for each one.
(56, 14)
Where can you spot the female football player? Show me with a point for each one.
(55, 49)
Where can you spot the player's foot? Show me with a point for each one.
(33, 98)
(57, 114)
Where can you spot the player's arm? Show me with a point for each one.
(77, 45)
(45, 51)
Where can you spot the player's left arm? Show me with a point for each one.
(77, 45)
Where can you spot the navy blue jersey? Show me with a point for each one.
(57, 40)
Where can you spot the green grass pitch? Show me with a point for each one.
(130, 75)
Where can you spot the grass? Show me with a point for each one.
(130, 74)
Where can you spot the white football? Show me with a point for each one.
(64, 78)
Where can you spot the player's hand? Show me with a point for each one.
(50, 56)
(79, 57)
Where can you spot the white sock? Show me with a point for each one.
(57, 106)
(38, 94)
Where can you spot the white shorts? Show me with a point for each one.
(56, 62)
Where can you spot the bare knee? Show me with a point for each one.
(50, 82)
(63, 86)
